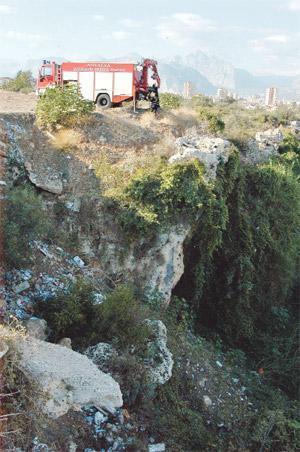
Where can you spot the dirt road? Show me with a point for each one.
(11, 102)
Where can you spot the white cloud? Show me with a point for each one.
(131, 23)
(184, 30)
(257, 45)
(98, 17)
(194, 22)
(294, 5)
(277, 38)
(21, 36)
(120, 35)
(6, 9)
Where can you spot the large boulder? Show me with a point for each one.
(66, 379)
(209, 151)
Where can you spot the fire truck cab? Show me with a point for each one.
(105, 83)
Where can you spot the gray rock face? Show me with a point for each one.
(160, 364)
(49, 182)
(66, 379)
(165, 264)
(209, 151)
(160, 268)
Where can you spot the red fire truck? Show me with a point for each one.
(105, 83)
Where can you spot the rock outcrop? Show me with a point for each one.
(209, 151)
(264, 146)
(66, 379)
(160, 267)
(48, 181)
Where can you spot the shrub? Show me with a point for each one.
(23, 82)
(170, 101)
(122, 317)
(25, 220)
(74, 313)
(215, 123)
(62, 106)
(290, 144)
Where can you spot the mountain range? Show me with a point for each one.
(207, 73)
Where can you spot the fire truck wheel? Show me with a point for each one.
(103, 101)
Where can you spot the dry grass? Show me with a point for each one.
(66, 139)
(183, 118)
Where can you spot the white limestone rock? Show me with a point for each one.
(160, 267)
(209, 151)
(66, 379)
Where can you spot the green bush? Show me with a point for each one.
(26, 220)
(214, 123)
(23, 82)
(62, 106)
(290, 144)
(153, 200)
(170, 101)
(75, 314)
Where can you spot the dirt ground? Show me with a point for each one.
(11, 102)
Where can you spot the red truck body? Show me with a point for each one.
(105, 83)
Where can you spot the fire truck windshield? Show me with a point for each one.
(46, 71)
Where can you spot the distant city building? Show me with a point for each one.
(271, 97)
(222, 94)
(188, 90)
(4, 80)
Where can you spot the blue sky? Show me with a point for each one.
(262, 36)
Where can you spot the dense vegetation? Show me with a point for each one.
(23, 82)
